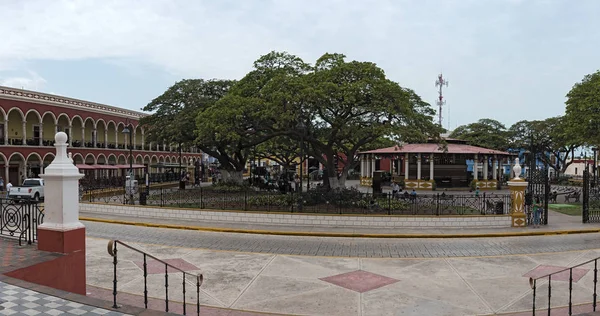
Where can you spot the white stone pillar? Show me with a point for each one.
(418, 166)
(106, 138)
(62, 232)
(372, 166)
(5, 132)
(485, 167)
(143, 141)
(24, 137)
(133, 141)
(362, 166)
(41, 143)
(495, 169)
(406, 166)
(83, 136)
(476, 168)
(431, 167)
(71, 136)
(95, 137)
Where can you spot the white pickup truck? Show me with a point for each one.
(31, 189)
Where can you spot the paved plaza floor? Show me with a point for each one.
(442, 284)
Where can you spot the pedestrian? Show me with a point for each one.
(8, 186)
(477, 192)
(537, 212)
(1, 184)
(395, 189)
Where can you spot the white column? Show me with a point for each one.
(495, 169)
(485, 167)
(431, 167)
(5, 132)
(133, 141)
(362, 166)
(143, 141)
(71, 136)
(83, 136)
(418, 166)
(475, 168)
(105, 138)
(372, 166)
(42, 139)
(406, 165)
(24, 137)
(94, 139)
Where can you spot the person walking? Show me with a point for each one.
(1, 184)
(8, 186)
(395, 189)
(537, 212)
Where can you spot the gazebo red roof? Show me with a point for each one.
(430, 148)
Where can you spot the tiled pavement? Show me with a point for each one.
(16, 300)
(309, 285)
(345, 247)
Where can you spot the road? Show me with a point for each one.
(346, 247)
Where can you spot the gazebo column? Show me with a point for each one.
(431, 167)
(418, 166)
(485, 167)
(495, 168)
(475, 168)
(372, 166)
(406, 161)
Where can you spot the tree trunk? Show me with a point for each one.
(334, 182)
(232, 176)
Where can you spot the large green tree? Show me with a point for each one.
(486, 133)
(549, 136)
(583, 111)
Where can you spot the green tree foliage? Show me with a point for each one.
(583, 111)
(549, 136)
(486, 133)
(175, 111)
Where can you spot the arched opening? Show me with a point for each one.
(63, 124)
(48, 129)
(138, 136)
(153, 163)
(15, 127)
(3, 171)
(78, 159)
(77, 132)
(101, 141)
(122, 160)
(111, 135)
(89, 134)
(122, 138)
(33, 129)
(34, 165)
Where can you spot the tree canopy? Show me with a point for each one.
(486, 133)
(583, 111)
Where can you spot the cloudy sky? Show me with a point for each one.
(504, 59)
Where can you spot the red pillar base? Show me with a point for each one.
(64, 273)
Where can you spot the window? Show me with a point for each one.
(575, 171)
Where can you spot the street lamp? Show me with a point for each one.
(595, 166)
(129, 131)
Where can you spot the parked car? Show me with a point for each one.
(31, 189)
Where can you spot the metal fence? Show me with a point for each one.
(19, 220)
(313, 201)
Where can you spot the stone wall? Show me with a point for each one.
(287, 219)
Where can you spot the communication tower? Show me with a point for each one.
(440, 82)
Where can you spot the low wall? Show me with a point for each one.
(384, 221)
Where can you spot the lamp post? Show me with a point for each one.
(129, 131)
(595, 166)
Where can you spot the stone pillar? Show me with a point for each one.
(406, 165)
(62, 232)
(372, 166)
(495, 169)
(83, 136)
(485, 167)
(41, 136)
(418, 166)
(362, 166)
(143, 141)
(105, 138)
(517, 188)
(95, 137)
(431, 167)
(71, 137)
(6, 132)
(24, 137)
(476, 168)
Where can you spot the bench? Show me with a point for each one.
(572, 195)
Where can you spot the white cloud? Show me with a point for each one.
(32, 82)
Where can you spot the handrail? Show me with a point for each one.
(533, 284)
(112, 251)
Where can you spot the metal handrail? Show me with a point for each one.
(112, 251)
(533, 284)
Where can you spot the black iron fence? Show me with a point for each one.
(314, 201)
(536, 282)
(189, 280)
(19, 219)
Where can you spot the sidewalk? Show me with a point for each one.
(558, 224)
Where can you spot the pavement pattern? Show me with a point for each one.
(312, 285)
(346, 247)
(18, 301)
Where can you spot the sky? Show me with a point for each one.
(504, 59)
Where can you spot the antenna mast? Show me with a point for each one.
(441, 82)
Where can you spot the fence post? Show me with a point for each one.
(161, 197)
(246, 199)
(437, 204)
(390, 203)
(201, 198)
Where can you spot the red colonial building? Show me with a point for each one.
(98, 138)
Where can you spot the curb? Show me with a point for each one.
(329, 234)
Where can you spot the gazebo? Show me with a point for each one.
(448, 167)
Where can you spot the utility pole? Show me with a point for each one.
(441, 82)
